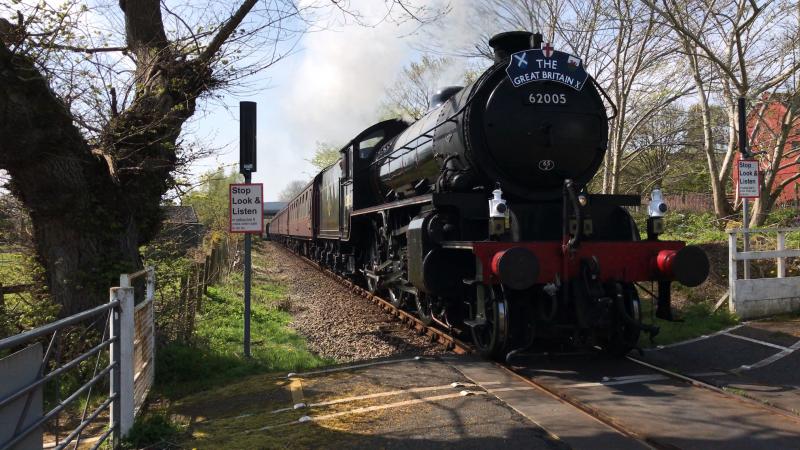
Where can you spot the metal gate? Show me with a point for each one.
(127, 338)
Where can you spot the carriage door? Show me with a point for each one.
(346, 192)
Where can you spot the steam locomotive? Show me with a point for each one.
(478, 217)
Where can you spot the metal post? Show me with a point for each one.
(744, 154)
(247, 165)
(746, 237)
(247, 244)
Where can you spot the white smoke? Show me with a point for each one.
(334, 86)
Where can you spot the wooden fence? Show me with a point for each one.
(204, 271)
(13, 289)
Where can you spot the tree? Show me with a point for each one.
(210, 198)
(91, 116)
(410, 96)
(325, 155)
(734, 48)
(622, 46)
(291, 190)
(775, 134)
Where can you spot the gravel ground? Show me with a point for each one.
(336, 323)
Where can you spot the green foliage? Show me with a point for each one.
(27, 310)
(210, 199)
(325, 155)
(292, 190)
(694, 228)
(149, 431)
(697, 320)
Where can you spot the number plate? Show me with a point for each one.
(545, 98)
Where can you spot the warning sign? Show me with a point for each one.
(748, 179)
(246, 208)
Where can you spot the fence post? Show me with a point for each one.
(206, 273)
(151, 296)
(781, 261)
(732, 273)
(150, 285)
(122, 331)
(213, 268)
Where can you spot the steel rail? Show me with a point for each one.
(457, 346)
(703, 385)
(448, 341)
(585, 408)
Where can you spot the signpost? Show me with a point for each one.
(749, 182)
(748, 179)
(247, 202)
(246, 208)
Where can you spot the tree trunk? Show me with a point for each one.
(722, 208)
(92, 207)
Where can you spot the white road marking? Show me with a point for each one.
(631, 379)
(690, 341)
(384, 394)
(756, 341)
(366, 409)
(628, 380)
(767, 361)
(355, 366)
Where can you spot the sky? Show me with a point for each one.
(329, 90)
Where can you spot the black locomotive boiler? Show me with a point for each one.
(478, 217)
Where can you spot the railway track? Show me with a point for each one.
(448, 341)
(457, 346)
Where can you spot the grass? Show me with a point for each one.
(697, 319)
(216, 357)
(153, 430)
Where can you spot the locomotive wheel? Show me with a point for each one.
(492, 338)
(424, 308)
(624, 333)
(396, 296)
(373, 261)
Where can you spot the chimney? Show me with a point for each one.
(504, 44)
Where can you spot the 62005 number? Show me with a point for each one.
(550, 99)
